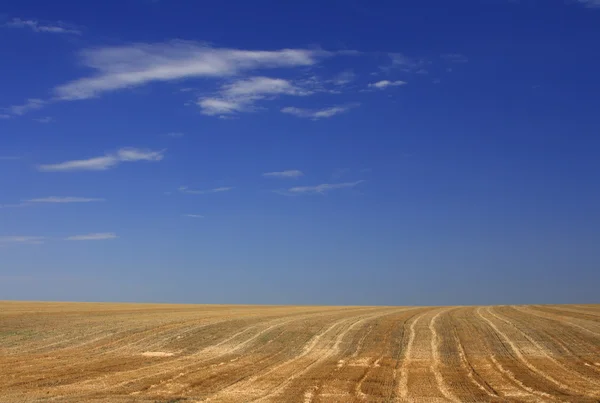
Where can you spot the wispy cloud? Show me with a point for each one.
(241, 95)
(30, 105)
(9, 158)
(322, 188)
(404, 63)
(134, 65)
(46, 119)
(175, 134)
(57, 199)
(36, 26)
(343, 78)
(4, 116)
(185, 189)
(317, 113)
(98, 236)
(294, 173)
(17, 239)
(194, 215)
(106, 161)
(386, 83)
(13, 205)
(590, 3)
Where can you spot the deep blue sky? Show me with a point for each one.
(416, 152)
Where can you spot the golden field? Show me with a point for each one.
(93, 352)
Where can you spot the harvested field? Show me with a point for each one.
(88, 352)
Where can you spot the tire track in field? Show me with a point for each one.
(403, 381)
(239, 389)
(581, 390)
(233, 389)
(74, 363)
(219, 350)
(395, 382)
(472, 374)
(520, 357)
(146, 370)
(244, 376)
(506, 373)
(435, 365)
(372, 362)
(330, 352)
(557, 340)
(564, 318)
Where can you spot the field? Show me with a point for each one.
(88, 352)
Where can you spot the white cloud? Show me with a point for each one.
(194, 215)
(30, 105)
(106, 161)
(590, 3)
(185, 189)
(36, 26)
(175, 134)
(134, 65)
(136, 154)
(386, 83)
(216, 106)
(4, 240)
(317, 113)
(258, 86)
(46, 119)
(322, 188)
(284, 174)
(57, 199)
(242, 94)
(98, 236)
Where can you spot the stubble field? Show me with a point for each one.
(84, 352)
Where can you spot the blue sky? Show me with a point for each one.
(332, 152)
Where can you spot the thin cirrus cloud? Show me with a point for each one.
(294, 173)
(185, 189)
(30, 105)
(241, 95)
(316, 114)
(590, 3)
(18, 239)
(57, 199)
(105, 162)
(322, 188)
(386, 83)
(129, 66)
(194, 215)
(36, 26)
(404, 63)
(97, 236)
